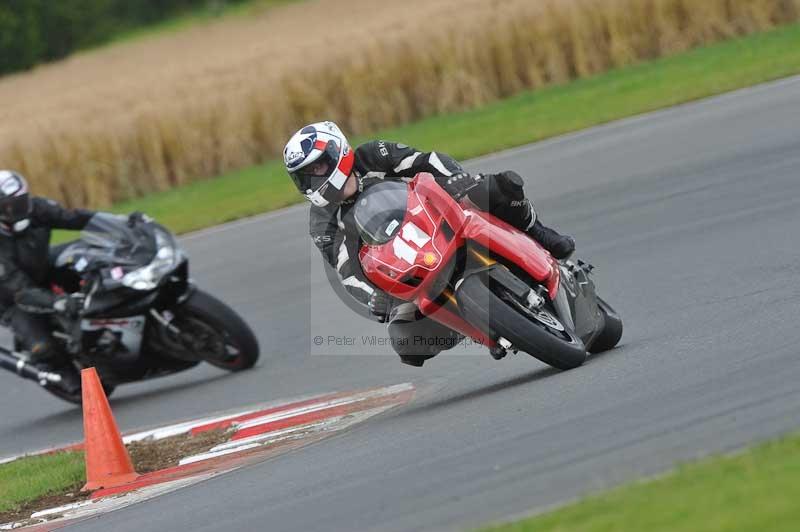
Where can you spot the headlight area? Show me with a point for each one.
(165, 260)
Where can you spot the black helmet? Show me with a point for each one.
(15, 202)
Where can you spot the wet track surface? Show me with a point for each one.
(691, 217)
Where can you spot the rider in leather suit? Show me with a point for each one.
(26, 302)
(331, 175)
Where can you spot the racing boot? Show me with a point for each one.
(560, 246)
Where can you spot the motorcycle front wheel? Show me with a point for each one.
(213, 332)
(539, 333)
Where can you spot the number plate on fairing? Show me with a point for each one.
(130, 330)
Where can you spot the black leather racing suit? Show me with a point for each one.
(25, 272)
(335, 233)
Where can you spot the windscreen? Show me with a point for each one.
(380, 210)
(108, 231)
(108, 240)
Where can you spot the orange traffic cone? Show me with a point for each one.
(107, 462)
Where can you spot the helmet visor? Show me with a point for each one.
(311, 177)
(15, 208)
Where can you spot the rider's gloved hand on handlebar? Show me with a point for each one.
(136, 218)
(380, 305)
(458, 185)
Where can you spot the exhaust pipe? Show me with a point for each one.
(16, 363)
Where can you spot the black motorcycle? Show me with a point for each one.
(142, 317)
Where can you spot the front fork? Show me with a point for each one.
(165, 321)
(165, 317)
(535, 298)
(560, 301)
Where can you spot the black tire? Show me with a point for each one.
(492, 313)
(204, 309)
(612, 329)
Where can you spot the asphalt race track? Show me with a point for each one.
(692, 218)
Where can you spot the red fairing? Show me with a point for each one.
(509, 242)
(408, 265)
(492, 233)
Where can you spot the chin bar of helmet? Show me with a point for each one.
(16, 363)
(317, 199)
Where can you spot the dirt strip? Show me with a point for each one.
(25, 510)
(278, 429)
(147, 456)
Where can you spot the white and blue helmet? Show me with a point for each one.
(319, 160)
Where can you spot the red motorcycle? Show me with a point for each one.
(480, 276)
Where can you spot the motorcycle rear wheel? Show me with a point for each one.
(540, 334)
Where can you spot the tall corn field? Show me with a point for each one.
(180, 113)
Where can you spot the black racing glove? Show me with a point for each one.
(459, 184)
(380, 305)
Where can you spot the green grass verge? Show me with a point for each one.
(513, 122)
(755, 490)
(31, 478)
